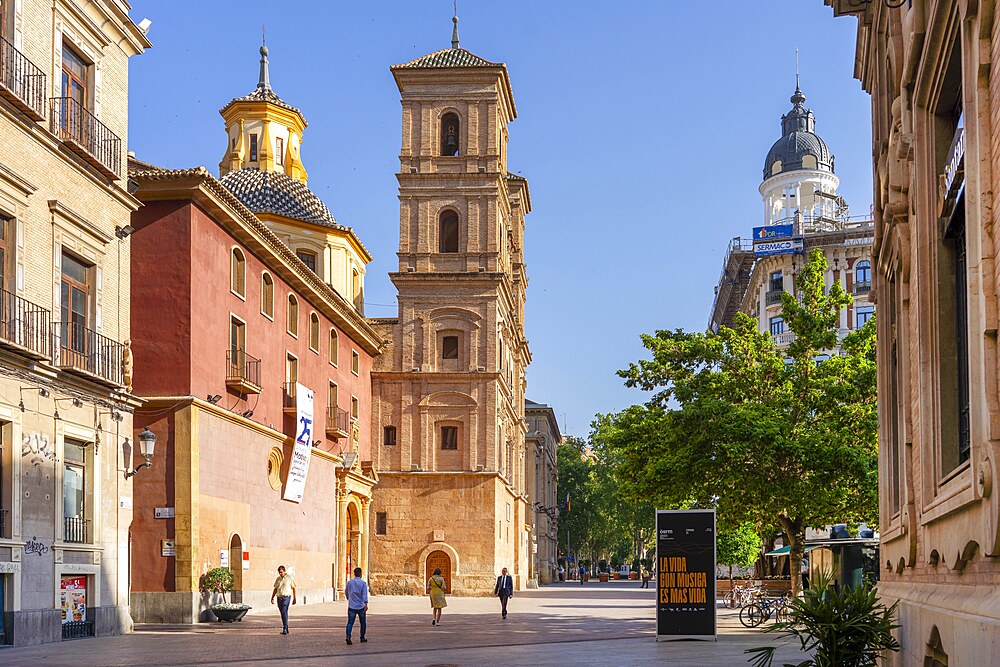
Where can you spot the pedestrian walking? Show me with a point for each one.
(645, 577)
(435, 586)
(562, 573)
(583, 571)
(504, 590)
(284, 592)
(356, 591)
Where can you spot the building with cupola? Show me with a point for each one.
(256, 366)
(800, 204)
(448, 392)
(262, 166)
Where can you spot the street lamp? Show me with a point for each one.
(147, 442)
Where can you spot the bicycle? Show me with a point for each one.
(762, 609)
(740, 596)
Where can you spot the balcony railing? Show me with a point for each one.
(77, 629)
(862, 287)
(288, 403)
(80, 349)
(21, 82)
(86, 136)
(773, 297)
(783, 339)
(338, 422)
(76, 530)
(242, 372)
(24, 325)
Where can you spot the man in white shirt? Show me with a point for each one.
(505, 590)
(284, 590)
(356, 591)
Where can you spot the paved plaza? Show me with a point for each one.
(561, 624)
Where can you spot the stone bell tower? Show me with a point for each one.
(449, 391)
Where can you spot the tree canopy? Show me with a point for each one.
(779, 439)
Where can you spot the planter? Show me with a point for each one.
(230, 615)
(603, 577)
(633, 576)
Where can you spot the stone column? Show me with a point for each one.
(363, 541)
(342, 546)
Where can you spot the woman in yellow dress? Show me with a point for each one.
(436, 586)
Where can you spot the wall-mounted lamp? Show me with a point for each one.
(214, 399)
(349, 459)
(147, 442)
(122, 232)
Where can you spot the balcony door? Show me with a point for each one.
(74, 310)
(74, 95)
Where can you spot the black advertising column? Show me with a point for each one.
(685, 574)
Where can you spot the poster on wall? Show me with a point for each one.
(298, 469)
(685, 574)
(73, 595)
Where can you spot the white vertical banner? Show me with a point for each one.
(298, 469)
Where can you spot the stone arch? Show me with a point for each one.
(456, 563)
(935, 655)
(448, 399)
(353, 526)
(236, 566)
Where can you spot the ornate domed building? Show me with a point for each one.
(262, 167)
(800, 186)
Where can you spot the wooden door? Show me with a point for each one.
(440, 559)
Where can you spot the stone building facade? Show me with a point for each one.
(65, 369)
(448, 393)
(935, 117)
(247, 331)
(542, 479)
(799, 190)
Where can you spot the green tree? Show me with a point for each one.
(780, 440)
(738, 547)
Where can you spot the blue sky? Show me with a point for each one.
(642, 129)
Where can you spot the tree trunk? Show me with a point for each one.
(796, 541)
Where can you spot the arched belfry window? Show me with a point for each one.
(449, 134)
(448, 232)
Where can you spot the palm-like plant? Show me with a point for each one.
(845, 627)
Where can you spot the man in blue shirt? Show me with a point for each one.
(356, 591)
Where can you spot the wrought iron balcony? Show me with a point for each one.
(773, 297)
(86, 136)
(24, 325)
(79, 349)
(242, 372)
(338, 422)
(288, 403)
(862, 287)
(21, 82)
(76, 530)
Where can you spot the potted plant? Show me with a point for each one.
(848, 627)
(220, 580)
(602, 570)
(634, 572)
(586, 572)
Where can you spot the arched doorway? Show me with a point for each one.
(439, 559)
(352, 529)
(236, 567)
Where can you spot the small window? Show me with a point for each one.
(267, 295)
(333, 396)
(334, 347)
(274, 458)
(355, 362)
(354, 407)
(389, 436)
(809, 162)
(253, 147)
(314, 332)
(292, 319)
(777, 326)
(448, 241)
(863, 274)
(308, 258)
(238, 282)
(449, 347)
(449, 135)
(279, 152)
(862, 314)
(380, 523)
(776, 167)
(449, 437)
(777, 282)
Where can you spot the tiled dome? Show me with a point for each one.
(798, 140)
(273, 192)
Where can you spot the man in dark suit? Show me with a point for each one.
(505, 590)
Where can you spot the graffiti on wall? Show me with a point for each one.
(38, 447)
(33, 546)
